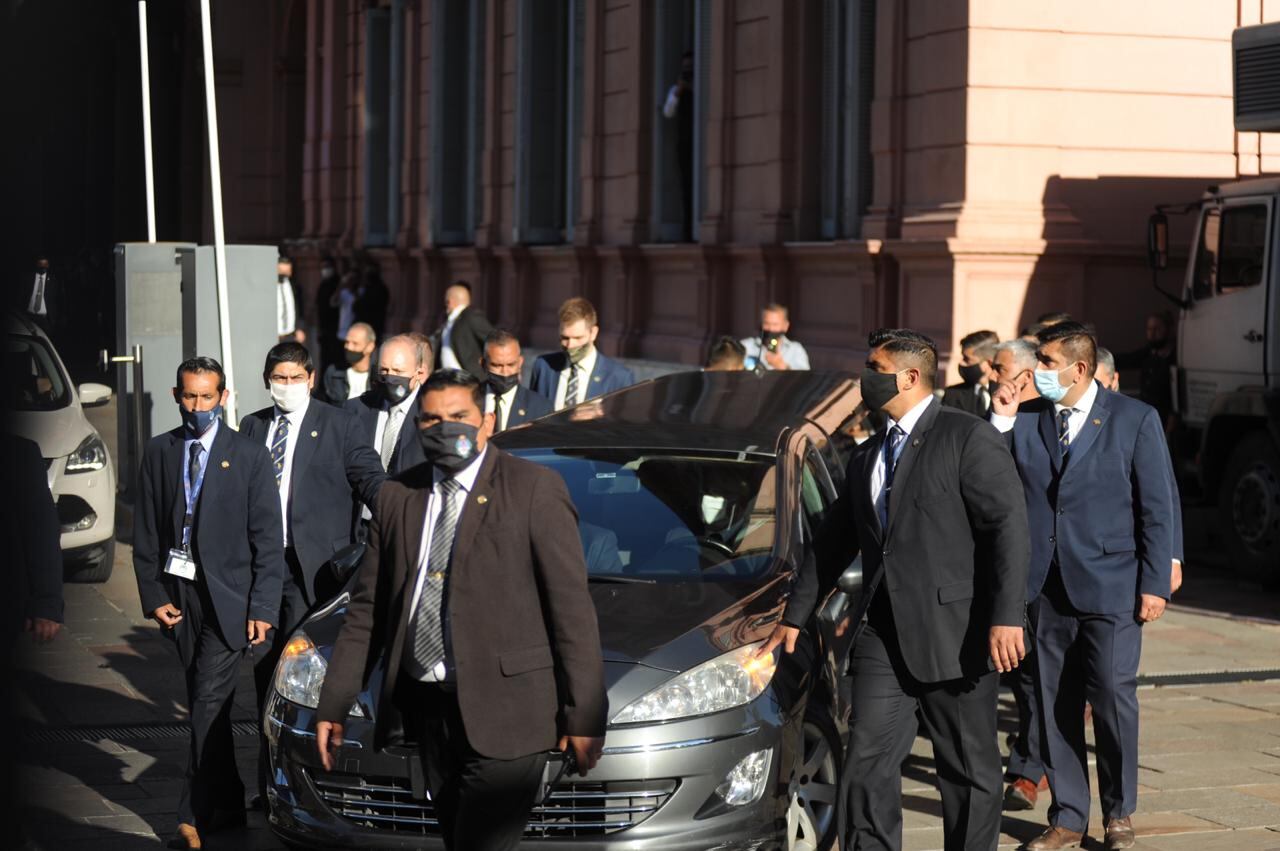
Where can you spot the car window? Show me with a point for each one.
(1231, 250)
(34, 380)
(670, 516)
(813, 491)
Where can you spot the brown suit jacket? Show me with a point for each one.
(524, 632)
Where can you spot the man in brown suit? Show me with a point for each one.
(474, 590)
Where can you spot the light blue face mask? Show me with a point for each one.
(1049, 384)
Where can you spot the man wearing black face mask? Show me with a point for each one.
(933, 507)
(973, 393)
(209, 558)
(351, 379)
(495, 624)
(510, 402)
(385, 410)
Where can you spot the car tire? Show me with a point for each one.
(1249, 508)
(815, 788)
(97, 570)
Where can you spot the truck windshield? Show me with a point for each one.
(1232, 247)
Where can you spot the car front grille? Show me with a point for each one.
(573, 809)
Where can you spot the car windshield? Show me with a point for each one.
(34, 380)
(655, 515)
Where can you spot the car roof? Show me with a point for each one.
(727, 411)
(16, 323)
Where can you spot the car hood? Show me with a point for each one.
(57, 433)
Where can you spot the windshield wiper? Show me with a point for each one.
(619, 578)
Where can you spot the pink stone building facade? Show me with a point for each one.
(941, 164)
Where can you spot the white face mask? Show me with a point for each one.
(712, 508)
(289, 397)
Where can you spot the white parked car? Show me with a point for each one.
(47, 408)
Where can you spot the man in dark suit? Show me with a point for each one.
(1095, 470)
(579, 371)
(973, 393)
(41, 299)
(351, 378)
(324, 468)
(460, 340)
(33, 599)
(209, 562)
(510, 402)
(385, 411)
(474, 591)
(933, 506)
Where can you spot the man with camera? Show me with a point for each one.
(773, 349)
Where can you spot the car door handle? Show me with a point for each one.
(1254, 337)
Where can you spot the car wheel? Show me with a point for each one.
(98, 570)
(815, 787)
(1249, 505)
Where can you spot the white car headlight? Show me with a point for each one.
(90, 455)
(726, 681)
(300, 672)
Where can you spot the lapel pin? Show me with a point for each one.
(226, 464)
(520, 412)
(315, 434)
(915, 442)
(1097, 422)
(597, 378)
(481, 499)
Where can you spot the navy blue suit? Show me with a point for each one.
(1102, 532)
(606, 376)
(408, 452)
(527, 406)
(237, 541)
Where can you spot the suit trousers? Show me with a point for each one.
(960, 719)
(483, 804)
(1024, 756)
(294, 606)
(212, 784)
(1093, 658)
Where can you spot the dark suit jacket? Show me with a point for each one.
(527, 406)
(962, 397)
(607, 376)
(237, 538)
(334, 388)
(467, 340)
(1108, 515)
(33, 550)
(408, 452)
(954, 557)
(522, 623)
(333, 465)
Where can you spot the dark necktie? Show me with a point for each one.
(428, 639)
(891, 443)
(497, 412)
(571, 387)
(193, 465)
(278, 445)
(1064, 430)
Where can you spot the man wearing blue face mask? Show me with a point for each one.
(209, 561)
(1096, 476)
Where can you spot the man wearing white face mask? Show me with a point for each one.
(320, 459)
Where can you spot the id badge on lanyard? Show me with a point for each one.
(181, 562)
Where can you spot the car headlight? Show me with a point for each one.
(726, 681)
(90, 455)
(300, 672)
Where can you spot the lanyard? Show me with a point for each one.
(192, 494)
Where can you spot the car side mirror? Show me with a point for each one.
(1158, 241)
(93, 394)
(346, 560)
(850, 582)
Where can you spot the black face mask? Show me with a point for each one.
(879, 388)
(500, 384)
(395, 388)
(770, 340)
(353, 357)
(449, 446)
(971, 374)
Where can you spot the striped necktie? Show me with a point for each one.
(278, 445)
(571, 387)
(428, 638)
(1064, 430)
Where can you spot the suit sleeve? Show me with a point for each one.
(997, 509)
(538, 381)
(352, 649)
(362, 464)
(1153, 496)
(1176, 519)
(146, 537)
(266, 540)
(41, 539)
(562, 579)
(835, 548)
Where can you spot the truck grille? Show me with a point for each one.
(573, 809)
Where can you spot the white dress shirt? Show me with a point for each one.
(467, 479)
(290, 443)
(448, 359)
(1079, 416)
(36, 306)
(508, 399)
(907, 424)
(404, 407)
(584, 376)
(357, 383)
(286, 309)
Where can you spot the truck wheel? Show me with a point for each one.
(1249, 508)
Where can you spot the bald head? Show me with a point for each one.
(456, 296)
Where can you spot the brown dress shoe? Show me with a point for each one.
(188, 837)
(1021, 795)
(1053, 838)
(1119, 834)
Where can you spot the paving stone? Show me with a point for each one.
(1261, 815)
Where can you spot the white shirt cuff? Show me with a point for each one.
(1003, 423)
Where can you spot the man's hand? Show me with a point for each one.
(328, 740)
(1150, 607)
(1007, 648)
(782, 634)
(42, 629)
(257, 631)
(586, 750)
(167, 616)
(1177, 577)
(775, 360)
(1005, 400)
